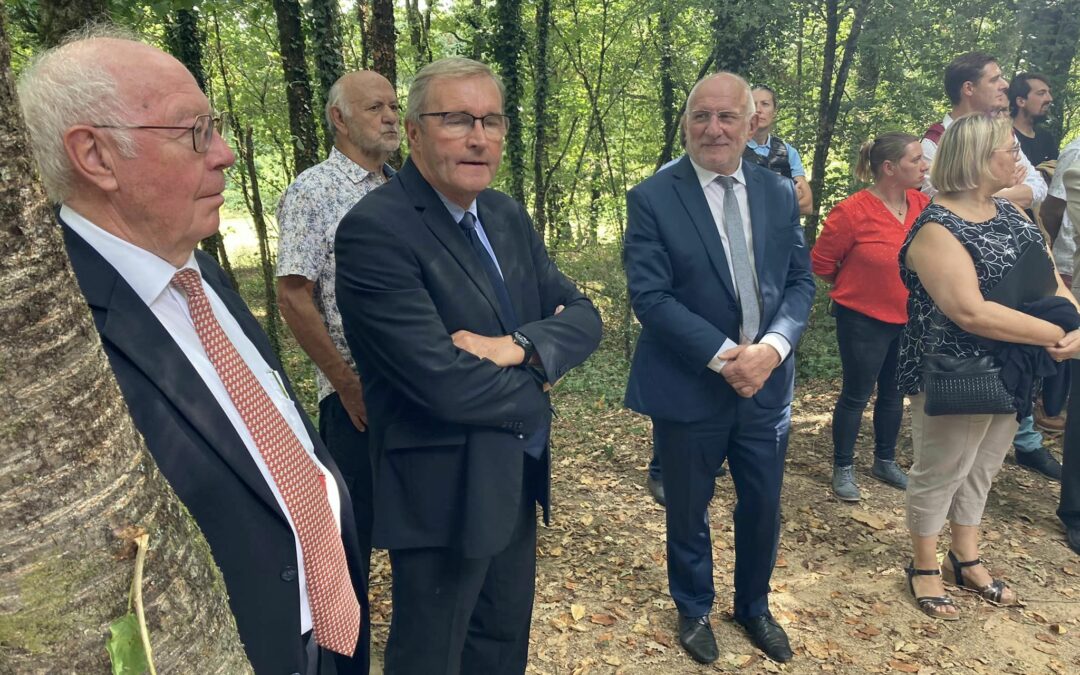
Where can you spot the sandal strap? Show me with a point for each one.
(994, 590)
(969, 563)
(925, 573)
(934, 601)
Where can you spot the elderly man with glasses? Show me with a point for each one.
(126, 143)
(459, 323)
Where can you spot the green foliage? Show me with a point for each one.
(125, 647)
(817, 355)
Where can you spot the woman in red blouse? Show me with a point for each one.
(857, 252)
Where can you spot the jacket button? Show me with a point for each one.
(288, 573)
(521, 437)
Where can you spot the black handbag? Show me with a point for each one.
(972, 385)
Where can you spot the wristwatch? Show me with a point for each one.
(526, 344)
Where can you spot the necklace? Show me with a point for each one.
(898, 210)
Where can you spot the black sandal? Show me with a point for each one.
(991, 592)
(929, 604)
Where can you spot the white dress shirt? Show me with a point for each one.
(150, 276)
(1032, 178)
(714, 196)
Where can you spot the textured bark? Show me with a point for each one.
(509, 41)
(384, 39)
(329, 62)
(667, 79)
(74, 471)
(419, 25)
(362, 14)
(297, 84)
(541, 87)
(740, 28)
(57, 18)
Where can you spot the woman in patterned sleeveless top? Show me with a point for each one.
(960, 247)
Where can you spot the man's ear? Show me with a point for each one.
(338, 118)
(92, 160)
(412, 133)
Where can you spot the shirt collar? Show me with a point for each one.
(351, 169)
(147, 274)
(456, 212)
(947, 121)
(705, 176)
(752, 144)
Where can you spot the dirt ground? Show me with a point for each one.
(602, 604)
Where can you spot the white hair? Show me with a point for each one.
(450, 68)
(751, 108)
(66, 86)
(335, 98)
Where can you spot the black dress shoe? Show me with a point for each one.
(656, 489)
(1072, 535)
(695, 635)
(768, 636)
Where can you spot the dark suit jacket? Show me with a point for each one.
(683, 294)
(448, 430)
(208, 465)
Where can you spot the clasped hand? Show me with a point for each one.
(1066, 347)
(748, 366)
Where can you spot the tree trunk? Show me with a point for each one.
(479, 36)
(57, 18)
(297, 85)
(831, 94)
(329, 62)
(418, 31)
(384, 39)
(509, 41)
(541, 84)
(77, 478)
(362, 14)
(667, 79)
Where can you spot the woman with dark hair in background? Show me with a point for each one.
(857, 252)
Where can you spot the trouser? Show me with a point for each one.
(1027, 438)
(1069, 506)
(454, 614)
(349, 448)
(868, 354)
(317, 661)
(753, 439)
(955, 460)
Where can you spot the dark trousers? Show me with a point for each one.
(454, 614)
(1069, 507)
(754, 440)
(868, 354)
(349, 448)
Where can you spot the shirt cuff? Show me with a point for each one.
(777, 342)
(716, 364)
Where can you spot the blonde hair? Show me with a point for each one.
(889, 147)
(963, 156)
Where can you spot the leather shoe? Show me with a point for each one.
(768, 636)
(656, 489)
(1040, 461)
(1072, 536)
(696, 637)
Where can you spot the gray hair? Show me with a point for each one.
(454, 67)
(335, 98)
(66, 86)
(743, 84)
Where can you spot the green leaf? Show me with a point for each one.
(125, 647)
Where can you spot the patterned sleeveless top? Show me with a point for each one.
(994, 246)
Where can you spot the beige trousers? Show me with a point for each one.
(956, 459)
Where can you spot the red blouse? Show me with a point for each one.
(857, 251)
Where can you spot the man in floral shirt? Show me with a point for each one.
(362, 111)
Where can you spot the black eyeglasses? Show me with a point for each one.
(202, 132)
(459, 124)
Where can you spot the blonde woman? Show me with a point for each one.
(962, 245)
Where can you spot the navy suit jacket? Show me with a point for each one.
(207, 464)
(684, 296)
(449, 430)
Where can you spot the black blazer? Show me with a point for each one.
(449, 429)
(209, 467)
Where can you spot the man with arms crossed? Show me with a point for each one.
(362, 110)
(719, 276)
(128, 145)
(459, 323)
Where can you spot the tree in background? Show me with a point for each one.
(297, 85)
(327, 52)
(57, 18)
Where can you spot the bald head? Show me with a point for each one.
(362, 112)
(718, 121)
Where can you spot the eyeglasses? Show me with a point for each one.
(459, 124)
(202, 132)
(1014, 149)
(702, 118)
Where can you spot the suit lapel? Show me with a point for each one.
(688, 188)
(438, 220)
(134, 331)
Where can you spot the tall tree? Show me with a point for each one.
(666, 47)
(509, 41)
(57, 18)
(297, 85)
(831, 92)
(329, 62)
(80, 480)
(541, 87)
(419, 29)
(384, 40)
(739, 30)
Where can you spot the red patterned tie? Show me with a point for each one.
(335, 611)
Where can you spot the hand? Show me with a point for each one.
(352, 399)
(748, 366)
(499, 350)
(1066, 347)
(1019, 175)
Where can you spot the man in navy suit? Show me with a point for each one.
(719, 277)
(128, 145)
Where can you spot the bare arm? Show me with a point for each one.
(948, 274)
(297, 304)
(1051, 212)
(805, 195)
